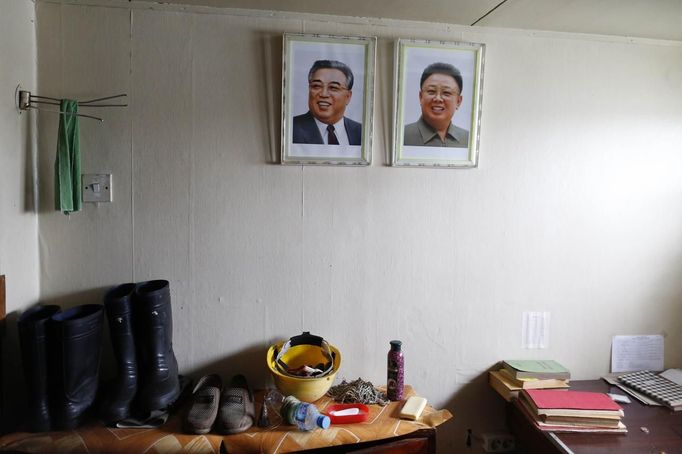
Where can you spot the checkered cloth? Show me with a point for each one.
(654, 386)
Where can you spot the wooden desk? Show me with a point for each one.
(664, 430)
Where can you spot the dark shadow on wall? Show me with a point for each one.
(475, 406)
(384, 109)
(249, 361)
(666, 297)
(30, 169)
(69, 300)
(272, 83)
(12, 379)
(15, 391)
(46, 146)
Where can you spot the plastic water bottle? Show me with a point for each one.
(303, 415)
(308, 417)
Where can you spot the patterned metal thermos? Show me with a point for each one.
(396, 371)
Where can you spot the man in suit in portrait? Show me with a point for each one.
(440, 95)
(330, 85)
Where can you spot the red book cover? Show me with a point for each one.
(573, 400)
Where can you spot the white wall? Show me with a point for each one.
(18, 217)
(574, 209)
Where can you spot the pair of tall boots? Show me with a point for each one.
(60, 354)
(141, 329)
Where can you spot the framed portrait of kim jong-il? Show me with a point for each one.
(327, 99)
(437, 103)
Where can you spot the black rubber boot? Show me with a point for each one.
(118, 305)
(159, 382)
(33, 341)
(75, 338)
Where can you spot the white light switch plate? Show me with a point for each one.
(96, 187)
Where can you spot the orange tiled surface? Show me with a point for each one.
(383, 422)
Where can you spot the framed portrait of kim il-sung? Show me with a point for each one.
(437, 103)
(327, 99)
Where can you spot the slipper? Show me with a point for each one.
(204, 407)
(237, 410)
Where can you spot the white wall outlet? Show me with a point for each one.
(96, 187)
(498, 442)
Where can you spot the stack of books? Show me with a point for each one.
(516, 375)
(571, 411)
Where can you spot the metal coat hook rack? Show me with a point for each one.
(25, 101)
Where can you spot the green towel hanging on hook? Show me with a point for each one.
(67, 166)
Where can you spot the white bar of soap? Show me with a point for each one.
(413, 407)
(346, 412)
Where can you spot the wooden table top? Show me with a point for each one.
(651, 429)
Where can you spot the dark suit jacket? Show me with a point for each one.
(306, 131)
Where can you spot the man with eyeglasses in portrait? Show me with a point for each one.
(440, 95)
(330, 85)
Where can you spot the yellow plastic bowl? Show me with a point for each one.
(304, 389)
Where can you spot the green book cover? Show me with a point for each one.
(536, 368)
